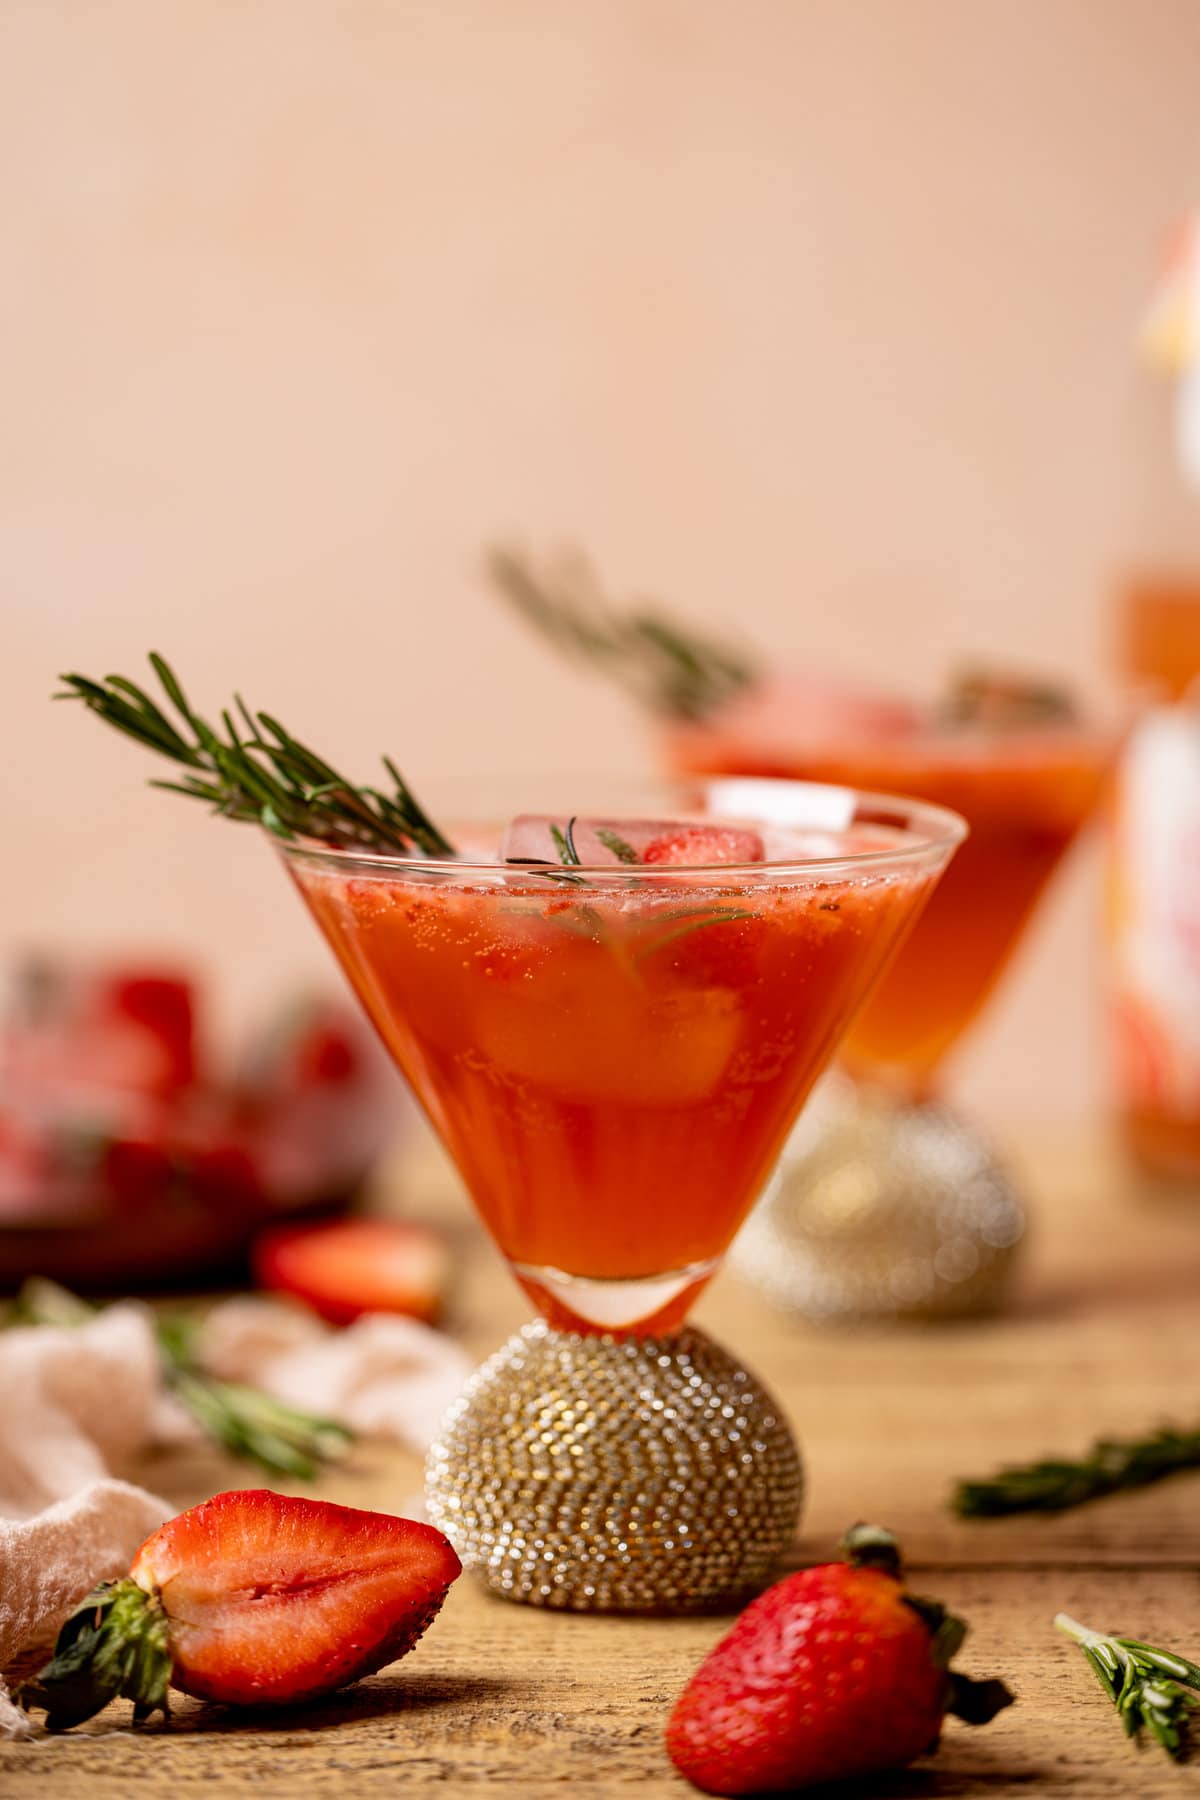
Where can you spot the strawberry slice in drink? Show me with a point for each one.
(250, 1599)
(563, 840)
(691, 846)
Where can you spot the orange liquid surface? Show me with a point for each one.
(1025, 797)
(613, 1079)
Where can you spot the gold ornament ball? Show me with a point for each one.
(616, 1474)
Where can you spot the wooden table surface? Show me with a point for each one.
(1103, 1334)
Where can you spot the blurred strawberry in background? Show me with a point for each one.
(127, 1155)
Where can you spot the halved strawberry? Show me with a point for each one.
(347, 1267)
(686, 845)
(250, 1599)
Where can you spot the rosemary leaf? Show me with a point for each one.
(261, 773)
(248, 1423)
(717, 915)
(1152, 1689)
(620, 847)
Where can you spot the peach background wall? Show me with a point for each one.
(813, 315)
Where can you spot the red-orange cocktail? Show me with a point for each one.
(1025, 791)
(615, 1057)
(612, 1022)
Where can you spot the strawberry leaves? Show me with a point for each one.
(115, 1645)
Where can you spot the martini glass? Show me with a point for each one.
(890, 1204)
(614, 1056)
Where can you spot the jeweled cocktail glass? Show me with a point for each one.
(894, 1205)
(614, 1056)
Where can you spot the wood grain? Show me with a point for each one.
(1100, 1335)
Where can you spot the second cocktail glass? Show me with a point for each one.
(889, 1203)
(886, 1203)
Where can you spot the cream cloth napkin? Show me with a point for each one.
(76, 1404)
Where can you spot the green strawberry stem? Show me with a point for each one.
(115, 1645)
(241, 1419)
(1059, 1483)
(871, 1547)
(1150, 1688)
(975, 1702)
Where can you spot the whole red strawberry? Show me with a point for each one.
(834, 1672)
(251, 1599)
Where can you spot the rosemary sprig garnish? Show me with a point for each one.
(1150, 1688)
(694, 921)
(669, 669)
(243, 1420)
(621, 848)
(253, 769)
(564, 843)
(1057, 1483)
(1002, 702)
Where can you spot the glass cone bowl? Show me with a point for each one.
(614, 1057)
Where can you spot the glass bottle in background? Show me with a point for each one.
(1154, 889)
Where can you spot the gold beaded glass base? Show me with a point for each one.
(881, 1211)
(616, 1474)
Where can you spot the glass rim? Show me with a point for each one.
(930, 831)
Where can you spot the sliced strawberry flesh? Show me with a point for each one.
(704, 844)
(348, 1267)
(273, 1599)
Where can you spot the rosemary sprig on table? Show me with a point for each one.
(1058, 1483)
(254, 769)
(1150, 1688)
(670, 669)
(241, 1419)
